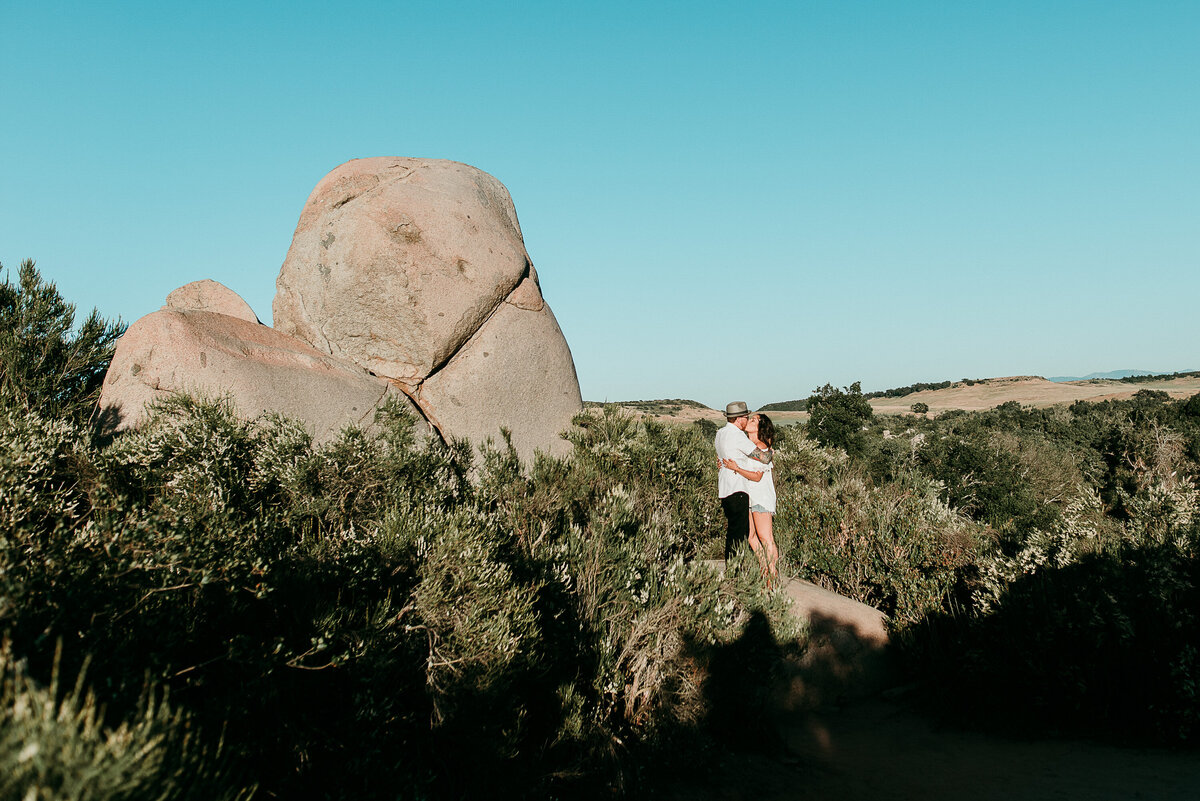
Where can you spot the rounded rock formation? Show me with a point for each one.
(261, 370)
(416, 270)
(510, 375)
(395, 263)
(211, 296)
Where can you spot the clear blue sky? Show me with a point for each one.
(723, 200)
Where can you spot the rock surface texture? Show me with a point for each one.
(847, 652)
(211, 296)
(416, 270)
(262, 370)
(847, 645)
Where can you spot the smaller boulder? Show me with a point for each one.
(261, 370)
(847, 646)
(515, 373)
(211, 296)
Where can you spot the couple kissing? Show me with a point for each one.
(746, 487)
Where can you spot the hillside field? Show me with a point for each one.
(1030, 391)
(979, 395)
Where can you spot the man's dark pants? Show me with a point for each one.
(737, 512)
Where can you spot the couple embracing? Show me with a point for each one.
(746, 487)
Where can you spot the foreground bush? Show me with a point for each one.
(896, 546)
(54, 744)
(1104, 646)
(1040, 566)
(360, 620)
(363, 619)
(1080, 615)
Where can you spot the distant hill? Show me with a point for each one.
(785, 406)
(1111, 374)
(1039, 392)
(671, 406)
(969, 394)
(801, 405)
(1027, 390)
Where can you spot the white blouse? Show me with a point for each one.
(762, 492)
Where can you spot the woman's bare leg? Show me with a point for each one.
(757, 546)
(763, 526)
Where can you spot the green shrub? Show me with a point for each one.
(837, 418)
(56, 744)
(897, 546)
(1104, 645)
(1082, 620)
(39, 473)
(360, 616)
(360, 619)
(44, 364)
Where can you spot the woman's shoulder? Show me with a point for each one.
(763, 455)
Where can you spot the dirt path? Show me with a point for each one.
(879, 750)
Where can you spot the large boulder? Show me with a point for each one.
(415, 269)
(510, 374)
(395, 263)
(215, 354)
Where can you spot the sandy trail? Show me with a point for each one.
(878, 750)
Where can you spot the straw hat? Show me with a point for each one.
(736, 409)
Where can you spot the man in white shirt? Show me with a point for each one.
(732, 488)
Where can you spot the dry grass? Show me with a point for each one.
(1028, 391)
(680, 414)
(984, 394)
(691, 414)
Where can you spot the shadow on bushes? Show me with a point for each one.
(753, 680)
(1105, 647)
(743, 683)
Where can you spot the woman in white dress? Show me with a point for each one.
(761, 431)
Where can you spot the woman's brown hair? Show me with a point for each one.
(766, 430)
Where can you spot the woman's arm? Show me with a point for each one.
(748, 474)
(763, 455)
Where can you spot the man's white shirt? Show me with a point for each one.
(732, 443)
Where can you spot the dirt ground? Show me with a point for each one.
(878, 750)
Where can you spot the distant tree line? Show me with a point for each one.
(786, 406)
(897, 392)
(1141, 379)
(900, 392)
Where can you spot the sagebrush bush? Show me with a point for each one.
(56, 745)
(39, 474)
(362, 618)
(1084, 620)
(608, 526)
(896, 546)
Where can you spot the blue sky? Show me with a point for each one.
(722, 200)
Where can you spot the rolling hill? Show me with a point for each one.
(975, 395)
